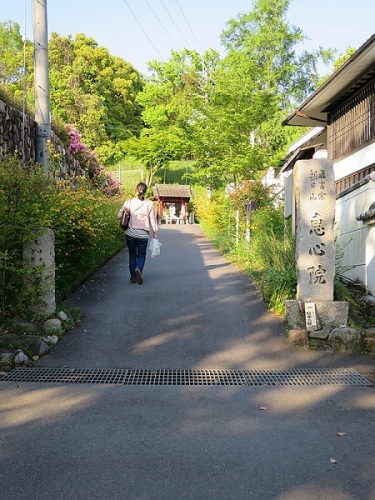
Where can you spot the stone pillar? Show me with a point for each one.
(39, 259)
(314, 190)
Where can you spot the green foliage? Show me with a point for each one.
(238, 133)
(83, 219)
(16, 66)
(175, 172)
(86, 231)
(272, 258)
(343, 58)
(89, 88)
(269, 258)
(10, 52)
(361, 312)
(155, 149)
(215, 212)
(129, 172)
(22, 201)
(268, 40)
(95, 91)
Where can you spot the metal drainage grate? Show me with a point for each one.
(293, 377)
(306, 376)
(185, 377)
(65, 375)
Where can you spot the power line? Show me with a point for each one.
(173, 21)
(162, 25)
(140, 25)
(187, 22)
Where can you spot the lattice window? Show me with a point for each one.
(349, 180)
(352, 124)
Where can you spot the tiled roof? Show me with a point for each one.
(172, 191)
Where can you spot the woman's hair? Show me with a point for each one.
(140, 190)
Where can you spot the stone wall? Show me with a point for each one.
(18, 134)
(11, 126)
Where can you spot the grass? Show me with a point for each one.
(177, 172)
(129, 172)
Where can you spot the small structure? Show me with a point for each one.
(173, 202)
(314, 189)
(39, 260)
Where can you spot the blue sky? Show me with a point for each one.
(142, 30)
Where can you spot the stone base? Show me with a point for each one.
(298, 338)
(369, 340)
(346, 340)
(329, 314)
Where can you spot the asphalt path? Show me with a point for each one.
(194, 311)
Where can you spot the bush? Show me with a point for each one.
(269, 257)
(21, 205)
(84, 221)
(86, 230)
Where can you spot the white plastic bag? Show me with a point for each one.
(154, 247)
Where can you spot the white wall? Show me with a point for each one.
(358, 160)
(356, 239)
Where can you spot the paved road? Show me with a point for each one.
(194, 311)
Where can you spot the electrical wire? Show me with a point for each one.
(140, 25)
(162, 25)
(173, 21)
(187, 22)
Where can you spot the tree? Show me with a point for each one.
(169, 103)
(155, 148)
(16, 62)
(261, 78)
(10, 53)
(269, 42)
(95, 91)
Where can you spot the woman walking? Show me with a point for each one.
(142, 219)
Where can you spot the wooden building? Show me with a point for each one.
(342, 111)
(173, 202)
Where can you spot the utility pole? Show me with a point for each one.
(42, 97)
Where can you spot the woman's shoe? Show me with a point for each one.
(139, 276)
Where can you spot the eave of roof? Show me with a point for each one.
(172, 191)
(342, 83)
(315, 139)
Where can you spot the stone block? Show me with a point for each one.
(329, 313)
(369, 344)
(24, 325)
(346, 340)
(299, 338)
(293, 314)
(369, 333)
(369, 299)
(20, 358)
(39, 348)
(320, 334)
(332, 313)
(52, 326)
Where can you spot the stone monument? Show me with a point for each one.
(39, 259)
(314, 308)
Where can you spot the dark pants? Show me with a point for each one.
(137, 254)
